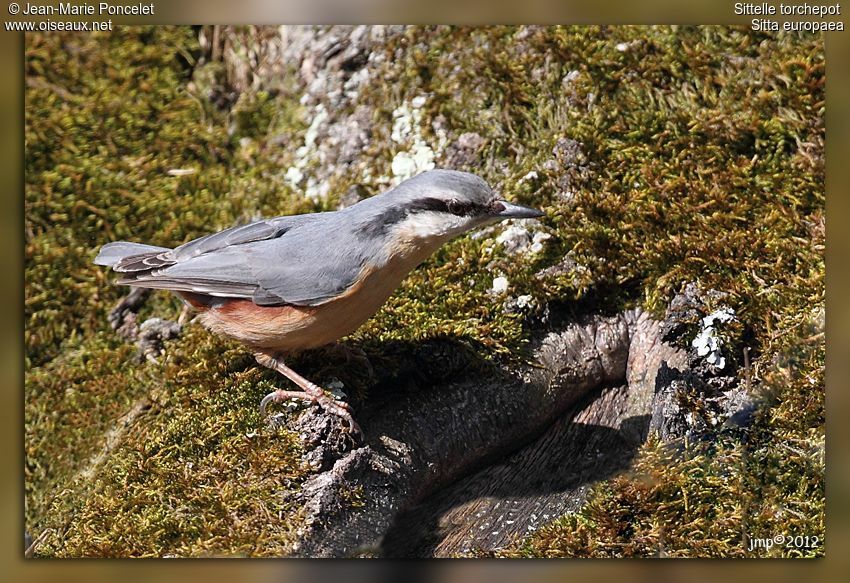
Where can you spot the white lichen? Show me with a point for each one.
(418, 102)
(407, 131)
(530, 176)
(316, 190)
(405, 119)
(537, 241)
(500, 285)
(570, 77)
(357, 80)
(521, 238)
(707, 342)
(295, 173)
(312, 133)
(524, 301)
(410, 163)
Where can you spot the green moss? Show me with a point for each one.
(192, 471)
(694, 155)
(630, 516)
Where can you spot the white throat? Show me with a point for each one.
(428, 226)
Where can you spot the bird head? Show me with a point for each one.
(440, 204)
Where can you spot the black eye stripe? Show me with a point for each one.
(394, 215)
(428, 204)
(455, 207)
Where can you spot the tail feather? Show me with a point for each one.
(114, 253)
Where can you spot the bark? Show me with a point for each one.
(471, 465)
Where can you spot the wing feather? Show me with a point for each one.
(285, 260)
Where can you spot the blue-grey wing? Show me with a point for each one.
(258, 231)
(286, 260)
(141, 261)
(308, 270)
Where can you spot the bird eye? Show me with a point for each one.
(455, 207)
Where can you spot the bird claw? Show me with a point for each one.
(354, 431)
(339, 409)
(265, 403)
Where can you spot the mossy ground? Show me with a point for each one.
(196, 472)
(699, 159)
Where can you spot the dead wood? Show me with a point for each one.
(473, 464)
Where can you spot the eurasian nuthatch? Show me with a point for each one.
(293, 283)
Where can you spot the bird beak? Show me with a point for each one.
(516, 211)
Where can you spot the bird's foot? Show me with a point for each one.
(311, 392)
(339, 408)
